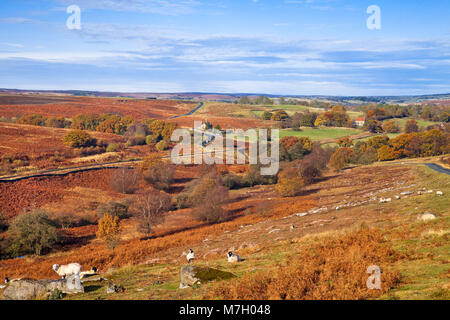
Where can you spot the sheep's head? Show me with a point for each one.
(56, 267)
(230, 254)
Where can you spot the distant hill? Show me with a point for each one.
(231, 97)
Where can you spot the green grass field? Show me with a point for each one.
(316, 134)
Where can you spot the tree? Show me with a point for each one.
(345, 142)
(210, 210)
(411, 126)
(387, 153)
(279, 115)
(374, 126)
(109, 230)
(390, 127)
(290, 183)
(78, 139)
(160, 175)
(113, 124)
(32, 232)
(125, 180)
(266, 115)
(341, 158)
(149, 208)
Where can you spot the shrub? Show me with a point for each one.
(162, 145)
(125, 180)
(232, 181)
(341, 158)
(109, 230)
(153, 138)
(78, 139)
(114, 209)
(112, 147)
(266, 115)
(149, 208)
(67, 220)
(279, 115)
(32, 232)
(136, 141)
(35, 120)
(254, 177)
(160, 175)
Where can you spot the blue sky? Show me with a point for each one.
(304, 47)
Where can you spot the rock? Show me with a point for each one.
(439, 193)
(28, 289)
(301, 214)
(397, 197)
(430, 191)
(387, 200)
(192, 275)
(113, 288)
(427, 216)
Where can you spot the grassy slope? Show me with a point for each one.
(424, 268)
(320, 133)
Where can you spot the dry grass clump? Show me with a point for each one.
(333, 269)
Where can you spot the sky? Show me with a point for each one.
(283, 47)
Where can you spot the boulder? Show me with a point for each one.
(192, 275)
(427, 216)
(28, 289)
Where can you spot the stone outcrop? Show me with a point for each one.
(28, 289)
(192, 275)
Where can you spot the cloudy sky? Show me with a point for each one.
(320, 47)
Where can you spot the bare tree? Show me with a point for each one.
(125, 180)
(149, 209)
(210, 209)
(160, 175)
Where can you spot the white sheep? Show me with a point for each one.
(67, 270)
(190, 256)
(233, 257)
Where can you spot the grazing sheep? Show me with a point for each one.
(91, 272)
(67, 270)
(233, 257)
(190, 256)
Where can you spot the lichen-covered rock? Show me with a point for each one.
(192, 275)
(28, 289)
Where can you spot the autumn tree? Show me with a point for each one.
(341, 158)
(109, 230)
(290, 183)
(411, 126)
(387, 153)
(390, 127)
(149, 208)
(345, 142)
(78, 139)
